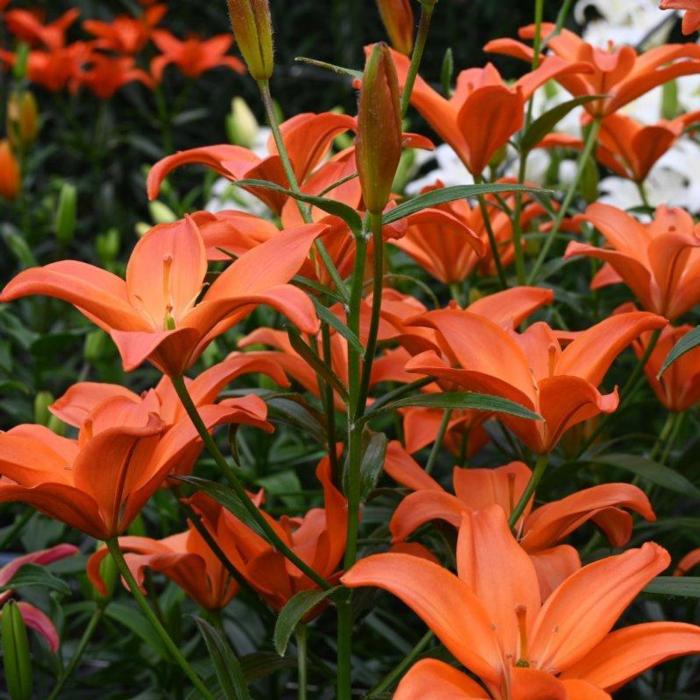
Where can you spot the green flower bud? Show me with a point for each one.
(17, 663)
(42, 401)
(252, 27)
(241, 124)
(96, 346)
(161, 213)
(379, 135)
(64, 224)
(107, 245)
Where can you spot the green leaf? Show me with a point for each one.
(675, 586)
(372, 461)
(227, 497)
(226, 665)
(450, 194)
(685, 344)
(296, 414)
(651, 471)
(286, 486)
(330, 206)
(33, 575)
(332, 320)
(462, 399)
(263, 663)
(340, 70)
(292, 613)
(547, 121)
(134, 620)
(315, 362)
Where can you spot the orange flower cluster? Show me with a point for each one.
(111, 53)
(529, 612)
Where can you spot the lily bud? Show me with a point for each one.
(241, 125)
(378, 147)
(17, 663)
(252, 27)
(397, 17)
(22, 118)
(10, 178)
(66, 213)
(42, 401)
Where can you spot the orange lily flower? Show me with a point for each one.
(155, 313)
(184, 558)
(193, 56)
(658, 261)
(531, 368)
(124, 34)
(307, 137)
(491, 618)
(481, 97)
(438, 244)
(617, 72)
(691, 18)
(679, 387)
(27, 26)
(82, 399)
(10, 175)
(33, 617)
(539, 531)
(99, 482)
(627, 147)
(53, 69)
(318, 538)
(104, 75)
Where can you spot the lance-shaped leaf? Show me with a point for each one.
(685, 344)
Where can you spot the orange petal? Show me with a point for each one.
(552, 522)
(422, 507)
(582, 690)
(553, 566)
(592, 352)
(533, 684)
(624, 654)
(431, 679)
(481, 488)
(511, 307)
(581, 612)
(82, 398)
(456, 616)
(402, 468)
(486, 549)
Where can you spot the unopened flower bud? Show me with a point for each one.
(17, 663)
(107, 245)
(96, 346)
(66, 213)
(161, 213)
(241, 125)
(10, 177)
(378, 147)
(252, 27)
(22, 118)
(397, 17)
(42, 401)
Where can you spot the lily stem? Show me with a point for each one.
(426, 16)
(80, 650)
(435, 451)
(530, 489)
(116, 552)
(390, 679)
(375, 223)
(588, 146)
(301, 660)
(492, 236)
(238, 488)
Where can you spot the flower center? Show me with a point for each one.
(523, 656)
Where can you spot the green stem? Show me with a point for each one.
(444, 423)
(301, 660)
(643, 194)
(82, 645)
(390, 679)
(677, 425)
(344, 687)
(492, 236)
(329, 404)
(663, 435)
(588, 147)
(426, 15)
(238, 488)
(561, 18)
(116, 552)
(375, 223)
(517, 216)
(537, 41)
(530, 489)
